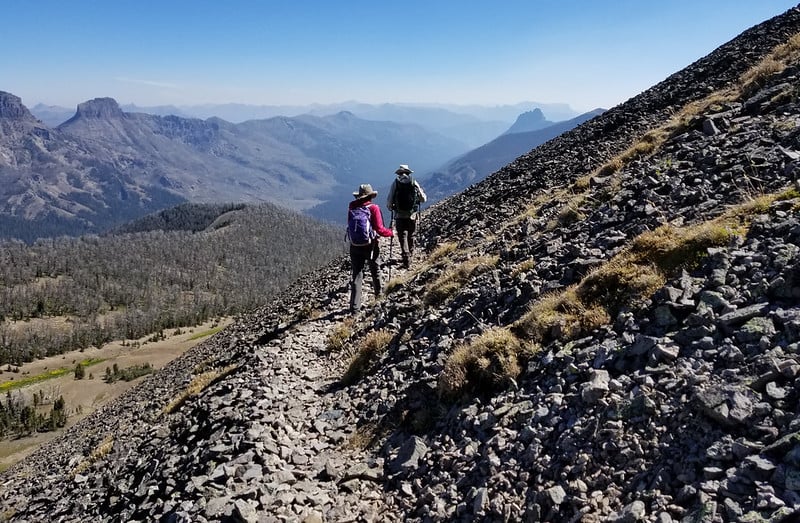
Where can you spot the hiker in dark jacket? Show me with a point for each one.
(364, 250)
(404, 212)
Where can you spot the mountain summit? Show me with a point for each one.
(99, 108)
(529, 121)
(605, 329)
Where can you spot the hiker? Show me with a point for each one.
(364, 226)
(405, 195)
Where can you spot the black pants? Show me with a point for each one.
(405, 235)
(359, 257)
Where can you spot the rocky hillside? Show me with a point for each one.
(607, 329)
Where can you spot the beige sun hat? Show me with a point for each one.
(365, 191)
(403, 169)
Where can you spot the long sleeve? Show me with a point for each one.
(377, 222)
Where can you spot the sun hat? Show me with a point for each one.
(403, 169)
(365, 191)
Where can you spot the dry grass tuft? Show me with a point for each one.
(522, 267)
(490, 362)
(751, 80)
(198, 385)
(442, 251)
(625, 281)
(583, 183)
(453, 279)
(373, 344)
(615, 285)
(364, 437)
(560, 316)
(571, 213)
(100, 451)
(781, 57)
(340, 334)
(789, 194)
(610, 167)
(754, 78)
(671, 248)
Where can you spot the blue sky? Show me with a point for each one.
(588, 53)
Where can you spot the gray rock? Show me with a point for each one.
(412, 450)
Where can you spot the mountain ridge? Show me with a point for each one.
(478, 163)
(104, 166)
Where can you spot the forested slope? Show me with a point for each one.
(93, 289)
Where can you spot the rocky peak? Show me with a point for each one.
(529, 121)
(11, 107)
(99, 108)
(531, 116)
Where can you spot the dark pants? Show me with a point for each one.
(405, 236)
(359, 257)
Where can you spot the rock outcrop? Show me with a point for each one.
(666, 393)
(99, 108)
(529, 121)
(11, 108)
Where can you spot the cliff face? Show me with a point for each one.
(11, 107)
(607, 329)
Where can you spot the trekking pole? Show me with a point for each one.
(391, 244)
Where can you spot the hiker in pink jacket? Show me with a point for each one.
(364, 227)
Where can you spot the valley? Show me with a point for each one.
(82, 397)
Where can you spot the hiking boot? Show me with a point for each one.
(406, 261)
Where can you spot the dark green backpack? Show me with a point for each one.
(406, 198)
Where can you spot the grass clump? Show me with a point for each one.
(442, 251)
(373, 344)
(340, 334)
(671, 248)
(625, 281)
(364, 437)
(561, 315)
(523, 267)
(491, 361)
(198, 385)
(610, 167)
(570, 214)
(453, 278)
(100, 451)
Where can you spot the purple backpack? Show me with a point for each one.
(359, 227)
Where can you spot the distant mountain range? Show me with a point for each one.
(472, 124)
(105, 166)
(529, 131)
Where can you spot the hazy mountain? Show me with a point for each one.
(479, 163)
(159, 110)
(529, 121)
(105, 166)
(52, 115)
(471, 124)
